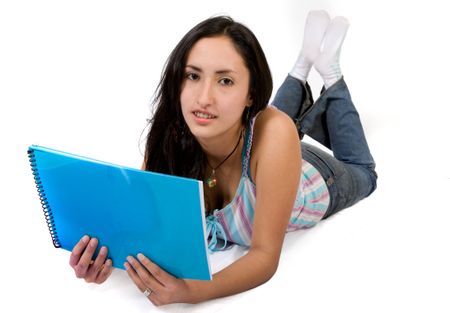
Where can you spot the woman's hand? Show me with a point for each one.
(160, 287)
(93, 271)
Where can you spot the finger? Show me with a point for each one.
(96, 266)
(140, 284)
(88, 253)
(86, 258)
(78, 250)
(144, 275)
(100, 260)
(134, 276)
(159, 274)
(105, 272)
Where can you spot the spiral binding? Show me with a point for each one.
(45, 205)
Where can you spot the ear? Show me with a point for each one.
(250, 101)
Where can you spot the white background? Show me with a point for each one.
(79, 76)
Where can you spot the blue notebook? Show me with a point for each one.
(128, 210)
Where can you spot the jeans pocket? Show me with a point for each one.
(321, 161)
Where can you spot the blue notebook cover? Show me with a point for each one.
(128, 210)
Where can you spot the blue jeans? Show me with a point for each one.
(333, 121)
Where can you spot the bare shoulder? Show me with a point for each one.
(275, 140)
(273, 123)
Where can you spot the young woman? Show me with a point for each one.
(212, 123)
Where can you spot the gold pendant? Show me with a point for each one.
(211, 181)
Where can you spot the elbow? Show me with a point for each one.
(272, 269)
(269, 272)
(268, 263)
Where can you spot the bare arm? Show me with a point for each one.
(277, 177)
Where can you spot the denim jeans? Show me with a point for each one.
(333, 121)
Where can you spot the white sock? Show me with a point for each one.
(315, 27)
(327, 63)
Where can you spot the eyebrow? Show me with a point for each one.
(223, 71)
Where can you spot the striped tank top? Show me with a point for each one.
(234, 222)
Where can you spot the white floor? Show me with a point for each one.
(78, 76)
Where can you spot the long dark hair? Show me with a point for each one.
(171, 148)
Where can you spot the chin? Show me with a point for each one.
(204, 133)
(200, 133)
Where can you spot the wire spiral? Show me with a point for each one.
(44, 202)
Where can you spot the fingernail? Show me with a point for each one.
(129, 259)
(103, 250)
(93, 242)
(126, 265)
(85, 238)
(140, 256)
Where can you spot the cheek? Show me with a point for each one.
(237, 102)
(184, 100)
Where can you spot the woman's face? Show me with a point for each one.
(215, 90)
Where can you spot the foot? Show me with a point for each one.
(327, 63)
(315, 28)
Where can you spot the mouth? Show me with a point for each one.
(204, 115)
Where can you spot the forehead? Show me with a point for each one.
(216, 52)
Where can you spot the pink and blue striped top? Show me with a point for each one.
(233, 223)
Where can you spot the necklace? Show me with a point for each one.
(212, 180)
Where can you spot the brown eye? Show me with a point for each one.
(192, 76)
(226, 82)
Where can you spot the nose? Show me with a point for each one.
(205, 95)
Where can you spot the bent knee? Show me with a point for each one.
(373, 178)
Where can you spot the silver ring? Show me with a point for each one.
(147, 292)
